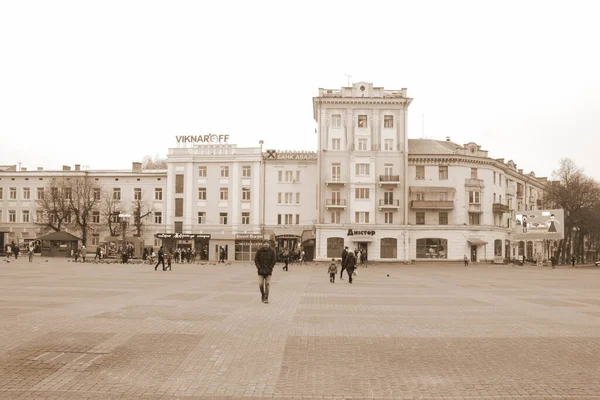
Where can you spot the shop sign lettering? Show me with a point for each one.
(360, 233)
(202, 138)
(248, 236)
(185, 236)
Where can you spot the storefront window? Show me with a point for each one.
(245, 250)
(432, 248)
(335, 245)
(389, 248)
(498, 248)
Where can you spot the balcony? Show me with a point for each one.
(389, 180)
(510, 191)
(335, 180)
(335, 203)
(432, 205)
(389, 204)
(474, 183)
(500, 208)
(475, 208)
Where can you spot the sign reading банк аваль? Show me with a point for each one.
(204, 139)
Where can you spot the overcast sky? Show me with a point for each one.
(104, 83)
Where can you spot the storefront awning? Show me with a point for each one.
(476, 242)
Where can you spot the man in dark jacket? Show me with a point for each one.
(350, 265)
(344, 257)
(161, 259)
(265, 260)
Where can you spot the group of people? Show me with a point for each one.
(349, 262)
(13, 249)
(286, 256)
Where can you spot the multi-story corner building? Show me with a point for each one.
(362, 166)
(213, 200)
(290, 193)
(20, 211)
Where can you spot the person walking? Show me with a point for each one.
(573, 259)
(332, 270)
(265, 260)
(344, 258)
(16, 250)
(83, 253)
(99, 255)
(161, 258)
(169, 261)
(222, 255)
(466, 261)
(286, 259)
(350, 265)
(8, 251)
(30, 251)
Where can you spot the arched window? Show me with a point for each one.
(389, 248)
(521, 248)
(432, 248)
(498, 247)
(335, 245)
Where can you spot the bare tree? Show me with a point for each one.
(79, 193)
(154, 163)
(140, 210)
(110, 209)
(54, 205)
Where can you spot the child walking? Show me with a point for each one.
(332, 270)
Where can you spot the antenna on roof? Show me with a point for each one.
(349, 79)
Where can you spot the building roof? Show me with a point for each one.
(430, 146)
(60, 236)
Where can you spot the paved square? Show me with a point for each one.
(97, 331)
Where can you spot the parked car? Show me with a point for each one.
(597, 263)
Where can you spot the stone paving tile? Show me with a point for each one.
(201, 332)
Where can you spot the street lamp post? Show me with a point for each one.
(124, 221)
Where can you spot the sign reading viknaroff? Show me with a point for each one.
(203, 139)
(540, 224)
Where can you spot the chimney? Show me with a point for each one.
(66, 168)
(40, 168)
(136, 166)
(447, 138)
(77, 167)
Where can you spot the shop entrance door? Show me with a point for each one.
(474, 253)
(362, 247)
(201, 247)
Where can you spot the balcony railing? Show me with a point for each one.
(475, 208)
(335, 203)
(474, 182)
(336, 180)
(389, 179)
(432, 205)
(383, 203)
(500, 208)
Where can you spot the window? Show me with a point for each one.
(298, 176)
(289, 219)
(420, 196)
(39, 216)
(443, 171)
(158, 217)
(95, 217)
(500, 198)
(336, 171)
(68, 218)
(201, 217)
(245, 218)
(389, 248)
(361, 217)
(494, 177)
(202, 171)
(500, 179)
(224, 172)
(224, 194)
(54, 193)
(289, 176)
(40, 194)
(68, 193)
(389, 217)
(158, 194)
(245, 194)
(388, 169)
(179, 183)
(474, 197)
(25, 216)
(223, 218)
(117, 194)
(473, 173)
(494, 197)
(362, 144)
(335, 217)
(361, 193)
(442, 196)
(297, 198)
(26, 193)
(96, 193)
(279, 198)
(388, 197)
(278, 219)
(335, 144)
(178, 227)
(279, 176)
(510, 206)
(362, 121)
(336, 197)
(420, 172)
(297, 219)
(443, 218)
(388, 121)
(179, 207)
(335, 245)
(336, 120)
(474, 219)
(388, 144)
(13, 194)
(420, 218)
(362, 169)
(95, 239)
(137, 193)
(2, 193)
(432, 248)
(288, 198)
(201, 193)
